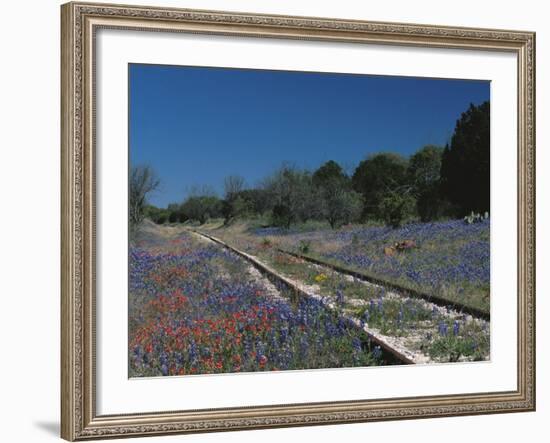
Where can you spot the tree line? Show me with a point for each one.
(435, 182)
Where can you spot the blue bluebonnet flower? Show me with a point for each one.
(339, 297)
(463, 255)
(456, 328)
(366, 315)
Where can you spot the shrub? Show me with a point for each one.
(281, 216)
(304, 246)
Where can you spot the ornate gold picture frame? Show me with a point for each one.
(80, 23)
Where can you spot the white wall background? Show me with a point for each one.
(29, 221)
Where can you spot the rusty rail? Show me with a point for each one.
(459, 307)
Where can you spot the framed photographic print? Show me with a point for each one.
(281, 221)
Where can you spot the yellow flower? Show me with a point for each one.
(320, 278)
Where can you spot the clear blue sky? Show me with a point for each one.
(195, 126)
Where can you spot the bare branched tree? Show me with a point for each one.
(233, 184)
(143, 181)
(200, 191)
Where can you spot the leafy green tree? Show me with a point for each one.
(282, 215)
(257, 200)
(376, 177)
(329, 173)
(202, 208)
(241, 207)
(174, 213)
(152, 213)
(465, 166)
(340, 204)
(424, 175)
(293, 195)
(396, 207)
(235, 208)
(162, 217)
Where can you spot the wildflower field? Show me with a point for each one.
(450, 259)
(328, 241)
(195, 308)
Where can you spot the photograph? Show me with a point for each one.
(278, 218)
(288, 220)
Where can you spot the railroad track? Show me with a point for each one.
(459, 307)
(398, 356)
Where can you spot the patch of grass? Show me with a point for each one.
(452, 349)
(304, 247)
(394, 317)
(458, 340)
